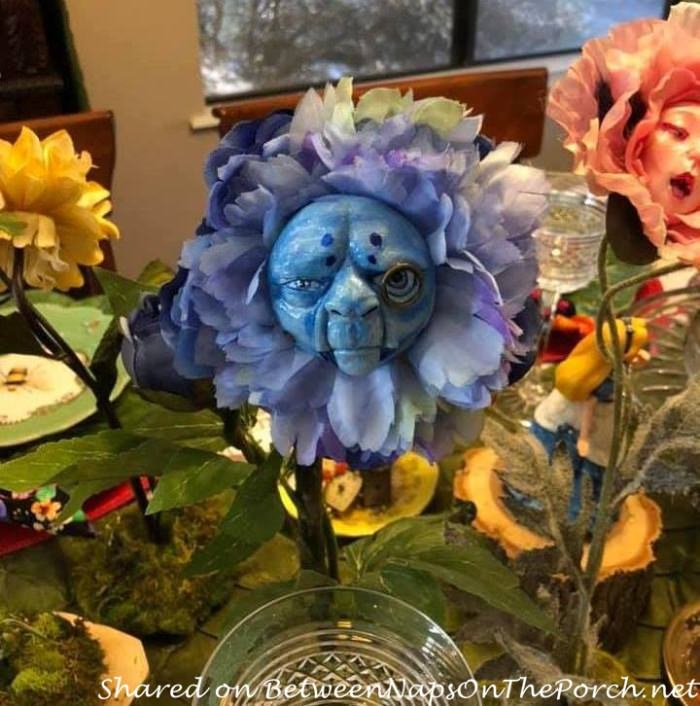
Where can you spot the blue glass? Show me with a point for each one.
(352, 280)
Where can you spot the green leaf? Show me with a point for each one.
(587, 300)
(104, 361)
(256, 515)
(16, 336)
(47, 461)
(156, 273)
(419, 545)
(276, 561)
(417, 588)
(124, 294)
(246, 604)
(32, 581)
(477, 655)
(87, 465)
(202, 429)
(190, 474)
(400, 538)
(476, 571)
(189, 486)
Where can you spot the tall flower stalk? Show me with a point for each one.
(606, 320)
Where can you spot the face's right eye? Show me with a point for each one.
(303, 292)
(676, 131)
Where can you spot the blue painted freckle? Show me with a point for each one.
(372, 259)
(327, 240)
(330, 260)
(376, 240)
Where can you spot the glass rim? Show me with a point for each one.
(358, 590)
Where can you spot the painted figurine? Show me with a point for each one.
(578, 414)
(351, 280)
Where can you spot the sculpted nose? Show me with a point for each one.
(351, 297)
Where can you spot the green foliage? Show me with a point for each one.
(418, 588)
(32, 580)
(256, 515)
(587, 300)
(47, 461)
(418, 550)
(124, 294)
(253, 600)
(276, 561)
(156, 273)
(187, 486)
(104, 361)
(87, 465)
(123, 579)
(48, 662)
(200, 429)
(665, 455)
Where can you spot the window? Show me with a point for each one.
(518, 28)
(262, 46)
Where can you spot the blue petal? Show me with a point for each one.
(361, 409)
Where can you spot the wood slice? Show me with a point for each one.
(125, 658)
(624, 583)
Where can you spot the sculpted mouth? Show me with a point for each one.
(682, 185)
(346, 351)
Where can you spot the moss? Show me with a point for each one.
(47, 661)
(124, 580)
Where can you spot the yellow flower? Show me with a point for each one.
(50, 210)
(45, 510)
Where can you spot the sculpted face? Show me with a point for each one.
(352, 280)
(671, 159)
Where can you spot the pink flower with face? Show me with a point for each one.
(631, 109)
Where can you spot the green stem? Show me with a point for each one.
(317, 548)
(621, 414)
(609, 293)
(331, 547)
(57, 346)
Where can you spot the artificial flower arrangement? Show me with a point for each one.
(418, 250)
(362, 274)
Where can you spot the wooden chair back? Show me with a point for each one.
(511, 101)
(94, 132)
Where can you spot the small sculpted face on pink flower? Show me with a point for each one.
(671, 159)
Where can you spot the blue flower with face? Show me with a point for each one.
(360, 274)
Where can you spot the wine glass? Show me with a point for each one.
(566, 245)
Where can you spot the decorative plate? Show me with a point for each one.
(39, 396)
(413, 483)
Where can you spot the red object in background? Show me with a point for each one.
(14, 537)
(649, 289)
(567, 331)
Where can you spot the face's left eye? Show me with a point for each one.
(401, 284)
(305, 285)
(676, 131)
